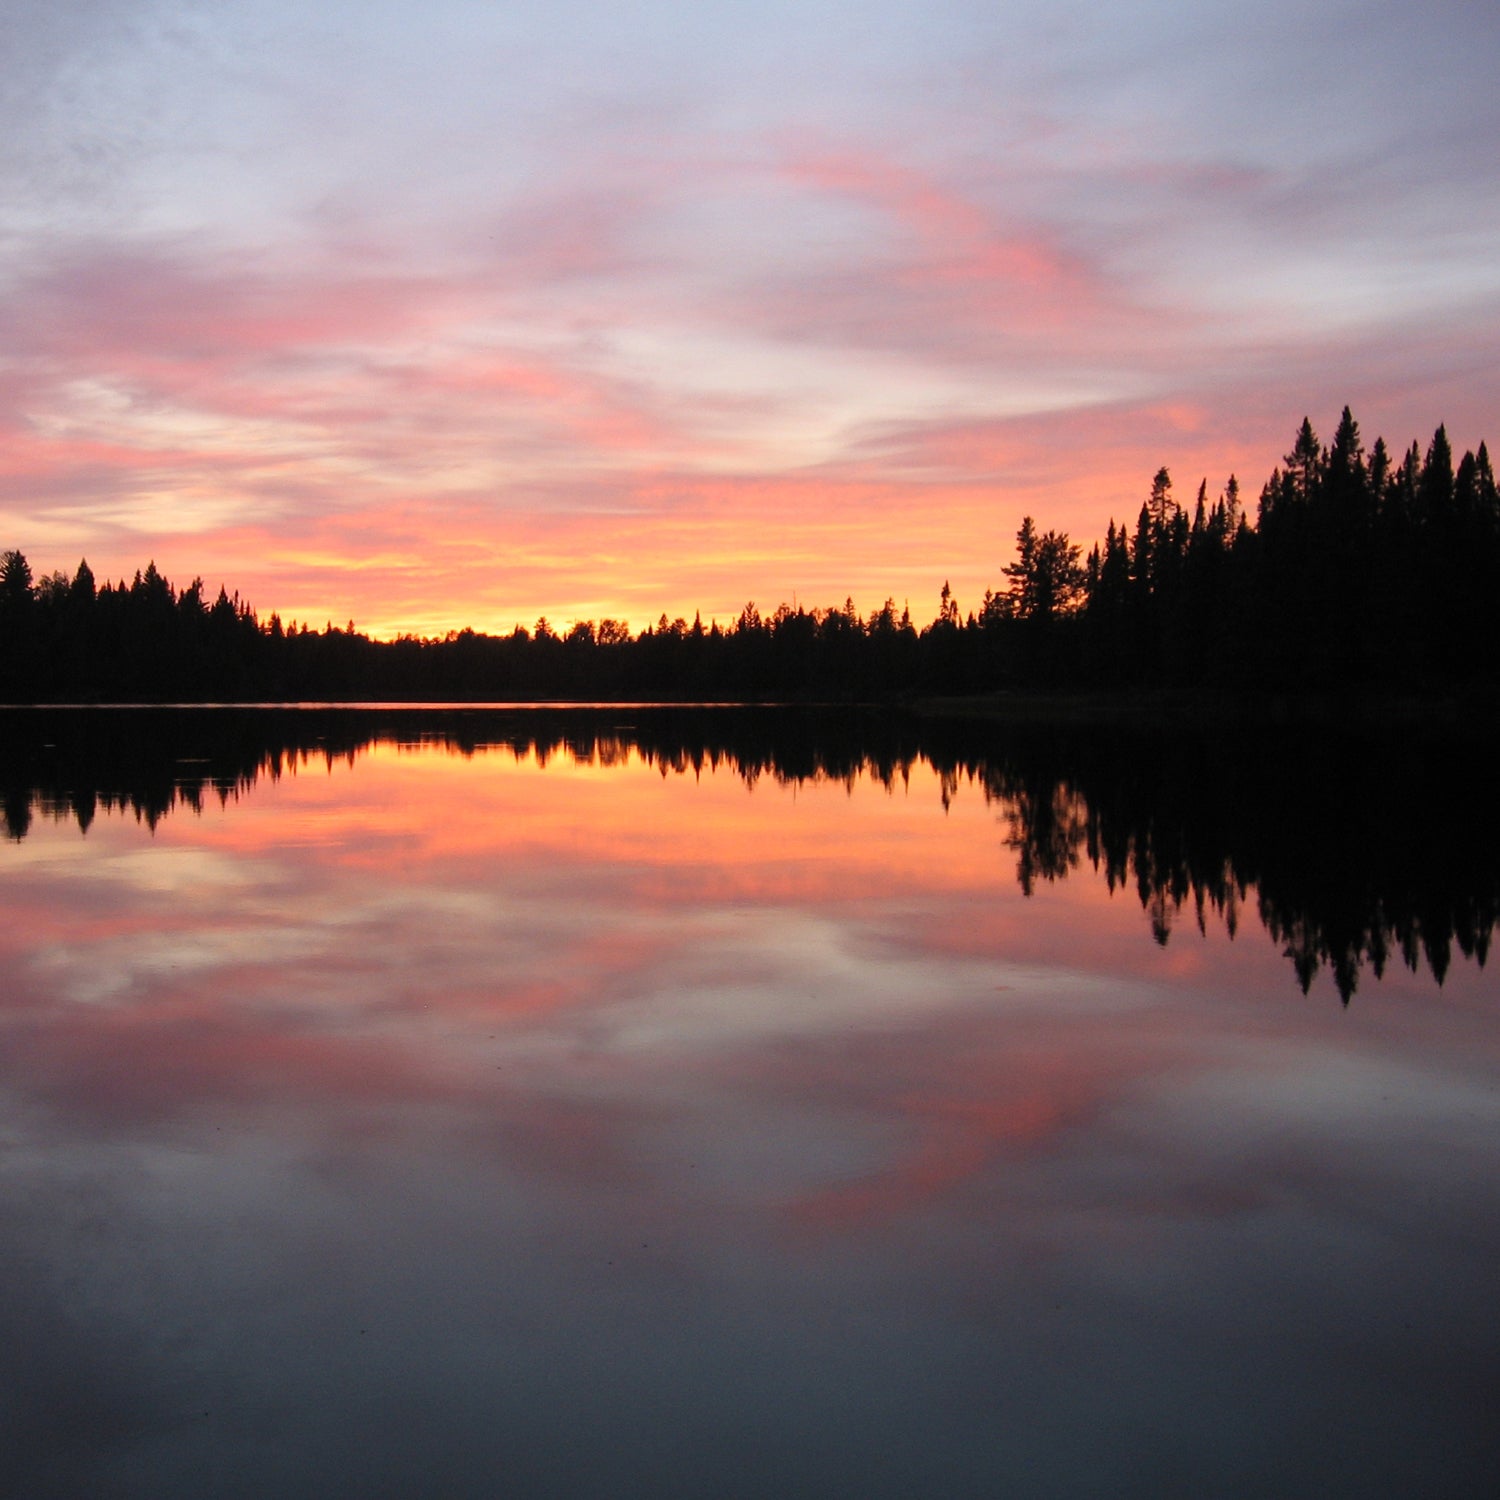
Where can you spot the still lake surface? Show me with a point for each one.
(658, 1103)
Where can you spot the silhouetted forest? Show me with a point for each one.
(1353, 852)
(1357, 569)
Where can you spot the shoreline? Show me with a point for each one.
(1474, 709)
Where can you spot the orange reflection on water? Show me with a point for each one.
(676, 834)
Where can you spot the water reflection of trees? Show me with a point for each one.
(1354, 852)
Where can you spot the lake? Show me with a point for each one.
(650, 1102)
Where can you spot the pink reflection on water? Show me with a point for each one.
(623, 1104)
(599, 947)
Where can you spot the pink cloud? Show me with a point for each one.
(960, 241)
(954, 278)
(102, 302)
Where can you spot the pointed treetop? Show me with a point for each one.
(1305, 462)
(1346, 451)
(1161, 505)
(15, 574)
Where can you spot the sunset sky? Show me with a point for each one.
(466, 313)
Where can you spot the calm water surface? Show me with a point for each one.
(461, 1107)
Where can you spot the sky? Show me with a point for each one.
(466, 313)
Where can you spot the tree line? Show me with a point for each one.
(1356, 569)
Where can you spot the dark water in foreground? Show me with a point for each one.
(666, 1104)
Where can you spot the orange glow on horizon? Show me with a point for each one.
(808, 540)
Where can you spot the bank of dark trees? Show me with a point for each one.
(1353, 569)
(1358, 568)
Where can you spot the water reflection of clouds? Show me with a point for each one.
(255, 964)
(102, 970)
(687, 1102)
(538, 921)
